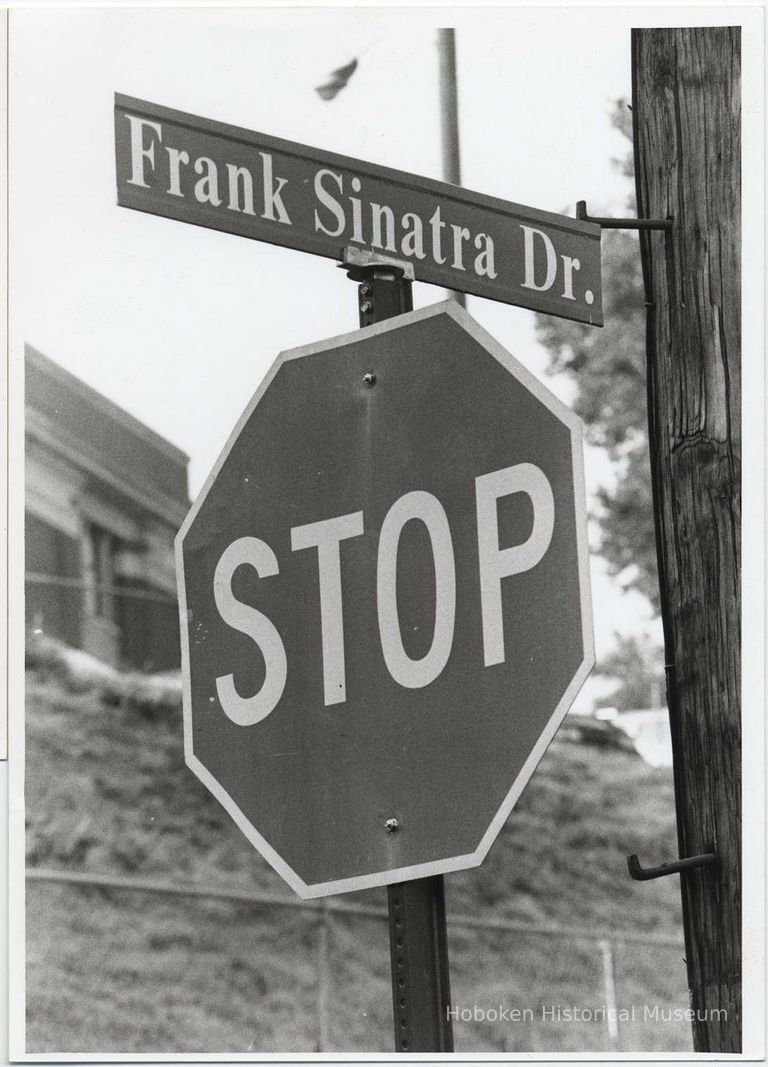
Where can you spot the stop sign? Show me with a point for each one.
(385, 602)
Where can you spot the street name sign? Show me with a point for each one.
(226, 178)
(384, 597)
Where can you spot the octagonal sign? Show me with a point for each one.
(385, 602)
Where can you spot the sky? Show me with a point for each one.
(178, 324)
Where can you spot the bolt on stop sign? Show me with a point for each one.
(385, 604)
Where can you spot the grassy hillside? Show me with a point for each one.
(122, 971)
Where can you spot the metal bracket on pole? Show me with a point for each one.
(384, 288)
(643, 874)
(621, 224)
(357, 260)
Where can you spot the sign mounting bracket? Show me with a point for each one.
(621, 224)
(356, 261)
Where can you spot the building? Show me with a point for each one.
(104, 498)
(648, 730)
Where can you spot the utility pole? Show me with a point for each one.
(686, 109)
(449, 116)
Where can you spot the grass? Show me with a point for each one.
(119, 971)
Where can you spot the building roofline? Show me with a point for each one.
(154, 502)
(108, 407)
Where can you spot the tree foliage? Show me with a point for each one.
(638, 664)
(608, 368)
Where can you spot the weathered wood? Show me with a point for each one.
(686, 94)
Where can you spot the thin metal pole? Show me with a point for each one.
(449, 116)
(323, 979)
(449, 106)
(609, 990)
(417, 931)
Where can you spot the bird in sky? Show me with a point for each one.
(336, 81)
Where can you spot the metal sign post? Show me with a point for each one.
(421, 987)
(418, 943)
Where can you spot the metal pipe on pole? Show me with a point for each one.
(449, 116)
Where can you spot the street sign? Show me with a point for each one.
(227, 178)
(384, 597)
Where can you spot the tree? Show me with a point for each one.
(608, 367)
(638, 665)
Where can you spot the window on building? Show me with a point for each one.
(103, 546)
(53, 591)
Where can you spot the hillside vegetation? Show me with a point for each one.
(125, 971)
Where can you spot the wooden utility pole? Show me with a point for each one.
(686, 106)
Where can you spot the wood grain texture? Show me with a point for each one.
(686, 93)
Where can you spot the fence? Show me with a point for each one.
(59, 582)
(124, 624)
(604, 940)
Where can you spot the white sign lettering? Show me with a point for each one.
(245, 711)
(267, 189)
(326, 535)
